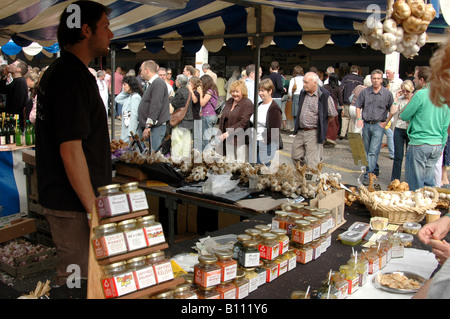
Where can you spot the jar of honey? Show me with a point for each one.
(397, 246)
(249, 255)
(184, 292)
(111, 201)
(161, 265)
(135, 196)
(283, 240)
(322, 220)
(117, 280)
(227, 290)
(253, 278)
(134, 236)
(290, 223)
(144, 274)
(241, 284)
(282, 262)
(271, 270)
(268, 246)
(302, 232)
(227, 265)
(279, 221)
(108, 241)
(207, 273)
(292, 259)
(349, 274)
(315, 226)
(207, 293)
(304, 253)
(238, 246)
(153, 230)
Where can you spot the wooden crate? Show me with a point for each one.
(18, 228)
(27, 265)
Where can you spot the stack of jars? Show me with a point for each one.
(131, 234)
(308, 229)
(134, 274)
(116, 199)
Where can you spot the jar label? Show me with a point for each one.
(301, 236)
(315, 232)
(271, 273)
(253, 284)
(163, 272)
(137, 201)
(250, 259)
(374, 265)
(154, 234)
(242, 291)
(109, 206)
(304, 256)
(135, 239)
(292, 263)
(229, 294)
(284, 246)
(269, 252)
(261, 278)
(109, 245)
(207, 278)
(144, 277)
(353, 285)
(282, 267)
(275, 224)
(119, 285)
(397, 251)
(229, 272)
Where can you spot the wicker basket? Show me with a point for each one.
(396, 214)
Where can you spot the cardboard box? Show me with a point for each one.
(134, 172)
(335, 202)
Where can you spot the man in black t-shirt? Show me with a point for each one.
(73, 156)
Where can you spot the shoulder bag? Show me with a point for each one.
(178, 115)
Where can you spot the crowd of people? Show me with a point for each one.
(73, 144)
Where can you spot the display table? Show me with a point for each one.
(316, 271)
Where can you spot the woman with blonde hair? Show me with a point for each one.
(235, 120)
(401, 99)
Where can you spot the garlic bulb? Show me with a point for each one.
(401, 10)
(422, 39)
(417, 7)
(399, 34)
(429, 13)
(409, 40)
(390, 26)
(388, 40)
(411, 52)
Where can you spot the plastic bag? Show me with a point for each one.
(219, 184)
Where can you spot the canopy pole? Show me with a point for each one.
(257, 60)
(111, 95)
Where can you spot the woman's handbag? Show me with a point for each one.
(178, 115)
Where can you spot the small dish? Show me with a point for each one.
(410, 275)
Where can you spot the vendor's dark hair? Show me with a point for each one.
(134, 84)
(333, 80)
(90, 13)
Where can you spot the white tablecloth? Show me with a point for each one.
(420, 262)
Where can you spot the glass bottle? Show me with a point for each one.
(239, 244)
(279, 221)
(111, 201)
(227, 265)
(322, 220)
(271, 270)
(302, 232)
(143, 274)
(207, 272)
(117, 280)
(242, 284)
(349, 274)
(18, 138)
(161, 265)
(249, 255)
(291, 221)
(304, 253)
(397, 246)
(28, 134)
(282, 262)
(184, 292)
(134, 236)
(108, 241)
(315, 226)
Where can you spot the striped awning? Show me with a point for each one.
(204, 22)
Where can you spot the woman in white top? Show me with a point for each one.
(130, 97)
(295, 86)
(402, 98)
(268, 124)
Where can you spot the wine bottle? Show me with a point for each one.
(28, 140)
(18, 133)
(2, 132)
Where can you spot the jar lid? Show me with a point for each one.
(250, 243)
(145, 218)
(248, 268)
(126, 222)
(136, 259)
(268, 236)
(323, 210)
(105, 226)
(129, 185)
(163, 294)
(189, 278)
(281, 213)
(243, 237)
(115, 265)
(412, 226)
(318, 214)
(108, 187)
(302, 222)
(224, 283)
(311, 219)
(295, 216)
(406, 238)
(155, 254)
(263, 228)
(207, 259)
(224, 254)
(279, 231)
(310, 208)
(253, 232)
(181, 288)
